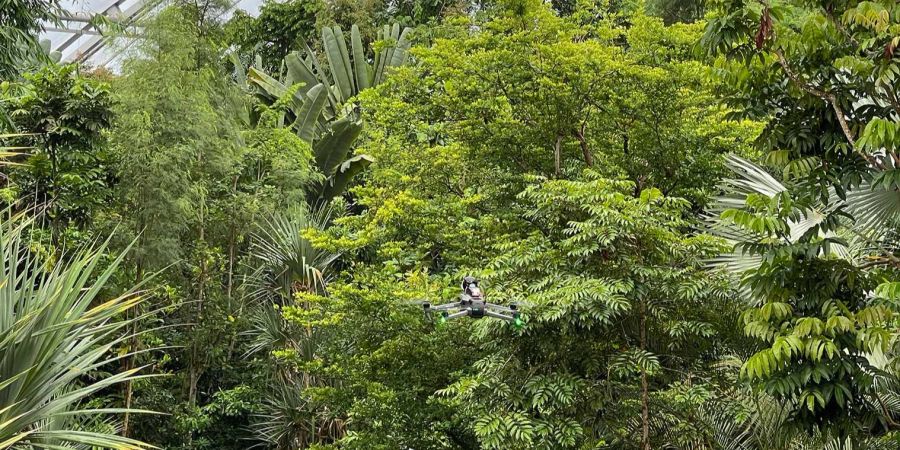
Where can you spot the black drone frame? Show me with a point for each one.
(476, 309)
(472, 304)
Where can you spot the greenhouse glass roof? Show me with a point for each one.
(78, 38)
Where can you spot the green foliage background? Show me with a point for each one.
(694, 205)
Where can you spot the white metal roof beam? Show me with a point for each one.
(97, 40)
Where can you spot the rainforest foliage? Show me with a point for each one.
(694, 206)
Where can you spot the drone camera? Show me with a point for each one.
(472, 303)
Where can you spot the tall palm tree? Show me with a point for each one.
(55, 328)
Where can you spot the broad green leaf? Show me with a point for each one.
(360, 65)
(338, 62)
(338, 182)
(273, 88)
(309, 113)
(333, 147)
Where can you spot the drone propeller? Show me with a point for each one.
(415, 302)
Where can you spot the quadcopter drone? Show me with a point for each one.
(473, 304)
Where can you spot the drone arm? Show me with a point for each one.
(458, 314)
(500, 308)
(446, 306)
(497, 315)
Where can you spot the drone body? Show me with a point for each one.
(473, 304)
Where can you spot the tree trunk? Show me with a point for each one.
(645, 391)
(585, 150)
(196, 368)
(128, 363)
(232, 242)
(557, 153)
(229, 288)
(194, 379)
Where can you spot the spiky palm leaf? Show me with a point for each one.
(53, 331)
(723, 432)
(285, 421)
(876, 209)
(750, 179)
(285, 260)
(874, 205)
(290, 421)
(287, 263)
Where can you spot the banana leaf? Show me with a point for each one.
(334, 146)
(307, 116)
(337, 184)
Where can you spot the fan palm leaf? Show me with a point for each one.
(286, 260)
(751, 179)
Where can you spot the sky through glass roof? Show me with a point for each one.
(78, 40)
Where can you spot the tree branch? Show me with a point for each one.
(832, 100)
(886, 260)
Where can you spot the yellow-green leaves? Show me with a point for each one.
(868, 14)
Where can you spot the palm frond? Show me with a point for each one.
(53, 331)
(286, 260)
(876, 208)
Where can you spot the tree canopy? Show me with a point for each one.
(688, 209)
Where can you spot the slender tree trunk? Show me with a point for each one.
(229, 287)
(196, 372)
(53, 209)
(585, 150)
(128, 363)
(201, 281)
(645, 391)
(196, 368)
(232, 242)
(557, 154)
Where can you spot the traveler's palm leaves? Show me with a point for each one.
(318, 99)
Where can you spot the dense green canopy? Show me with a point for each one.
(693, 205)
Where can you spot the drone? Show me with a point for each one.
(473, 304)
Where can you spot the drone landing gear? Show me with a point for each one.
(476, 312)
